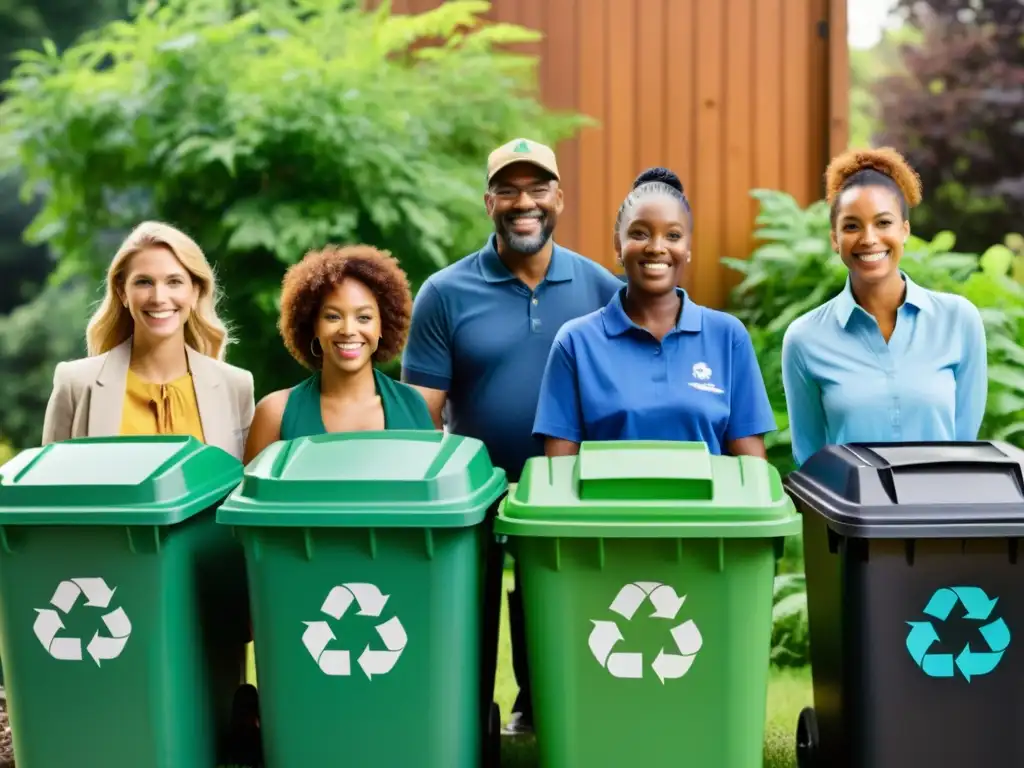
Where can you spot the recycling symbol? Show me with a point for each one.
(971, 663)
(48, 623)
(318, 634)
(667, 666)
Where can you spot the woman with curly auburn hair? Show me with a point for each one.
(886, 360)
(156, 349)
(342, 309)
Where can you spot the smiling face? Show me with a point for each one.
(653, 244)
(524, 202)
(348, 326)
(869, 233)
(159, 292)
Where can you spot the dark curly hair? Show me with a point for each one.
(306, 284)
(883, 167)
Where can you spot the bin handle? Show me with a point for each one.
(619, 470)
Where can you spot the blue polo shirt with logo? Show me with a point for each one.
(609, 379)
(481, 335)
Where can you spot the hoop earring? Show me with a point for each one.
(312, 349)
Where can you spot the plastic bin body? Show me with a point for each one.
(365, 561)
(886, 527)
(131, 516)
(658, 549)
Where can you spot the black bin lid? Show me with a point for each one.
(915, 490)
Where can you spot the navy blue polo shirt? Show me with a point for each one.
(609, 379)
(481, 335)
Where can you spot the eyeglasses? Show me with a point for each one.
(534, 191)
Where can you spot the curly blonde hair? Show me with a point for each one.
(307, 282)
(112, 324)
(869, 167)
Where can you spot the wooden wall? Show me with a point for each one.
(730, 94)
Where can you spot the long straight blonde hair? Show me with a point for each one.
(112, 324)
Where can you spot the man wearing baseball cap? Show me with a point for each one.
(481, 331)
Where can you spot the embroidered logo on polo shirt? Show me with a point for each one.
(702, 372)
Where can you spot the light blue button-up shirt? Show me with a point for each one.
(844, 384)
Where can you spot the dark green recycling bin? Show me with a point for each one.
(123, 611)
(915, 591)
(365, 555)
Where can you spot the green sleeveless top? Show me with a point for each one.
(404, 407)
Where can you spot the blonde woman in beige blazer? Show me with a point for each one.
(156, 348)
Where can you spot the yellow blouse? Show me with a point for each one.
(161, 409)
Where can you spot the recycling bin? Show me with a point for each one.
(915, 594)
(647, 576)
(365, 554)
(123, 610)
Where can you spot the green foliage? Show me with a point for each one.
(791, 645)
(795, 270)
(33, 339)
(265, 134)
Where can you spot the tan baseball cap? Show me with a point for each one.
(521, 151)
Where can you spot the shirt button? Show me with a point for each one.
(535, 299)
(657, 351)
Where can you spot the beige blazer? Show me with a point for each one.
(88, 398)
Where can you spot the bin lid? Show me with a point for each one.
(635, 488)
(378, 479)
(922, 490)
(132, 480)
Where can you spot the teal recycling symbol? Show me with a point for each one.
(971, 663)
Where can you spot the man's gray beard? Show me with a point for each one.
(527, 244)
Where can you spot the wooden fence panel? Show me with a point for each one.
(729, 94)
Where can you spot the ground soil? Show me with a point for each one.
(6, 750)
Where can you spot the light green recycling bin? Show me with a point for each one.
(647, 576)
(365, 557)
(123, 612)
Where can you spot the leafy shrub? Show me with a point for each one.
(268, 133)
(953, 107)
(795, 270)
(790, 634)
(33, 339)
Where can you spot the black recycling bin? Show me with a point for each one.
(915, 593)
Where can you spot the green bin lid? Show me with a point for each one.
(634, 488)
(378, 479)
(145, 480)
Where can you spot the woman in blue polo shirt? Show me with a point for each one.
(652, 364)
(886, 360)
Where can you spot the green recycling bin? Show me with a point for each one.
(123, 611)
(647, 576)
(365, 555)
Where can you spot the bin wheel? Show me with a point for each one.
(493, 748)
(807, 739)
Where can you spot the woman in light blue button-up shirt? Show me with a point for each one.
(886, 360)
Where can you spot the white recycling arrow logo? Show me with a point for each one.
(48, 623)
(318, 634)
(667, 666)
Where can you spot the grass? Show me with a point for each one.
(789, 691)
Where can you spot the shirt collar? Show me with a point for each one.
(617, 322)
(917, 297)
(495, 271)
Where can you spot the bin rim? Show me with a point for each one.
(225, 474)
(465, 512)
(779, 527)
(648, 489)
(845, 518)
